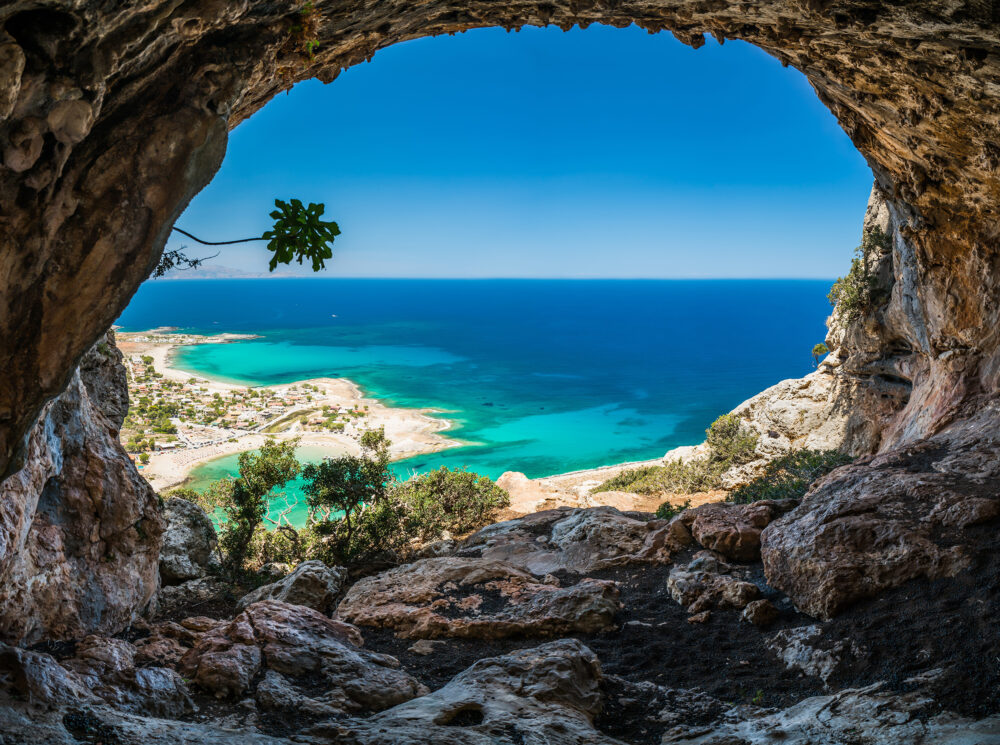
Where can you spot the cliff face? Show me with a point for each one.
(112, 116)
(79, 527)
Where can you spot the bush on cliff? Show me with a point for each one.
(730, 443)
(445, 500)
(790, 476)
(858, 293)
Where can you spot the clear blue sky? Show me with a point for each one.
(597, 153)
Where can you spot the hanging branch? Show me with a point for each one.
(298, 233)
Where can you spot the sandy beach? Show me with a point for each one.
(411, 431)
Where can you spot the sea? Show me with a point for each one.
(538, 376)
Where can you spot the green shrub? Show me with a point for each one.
(667, 511)
(730, 441)
(818, 351)
(858, 293)
(444, 500)
(790, 476)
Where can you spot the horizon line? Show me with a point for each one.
(509, 279)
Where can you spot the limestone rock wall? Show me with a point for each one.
(79, 527)
(113, 115)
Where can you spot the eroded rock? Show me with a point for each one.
(296, 641)
(477, 598)
(708, 582)
(189, 543)
(733, 530)
(79, 527)
(548, 695)
(576, 540)
(881, 522)
(312, 584)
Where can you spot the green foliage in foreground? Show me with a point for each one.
(667, 511)
(358, 513)
(858, 293)
(442, 501)
(731, 443)
(299, 233)
(790, 476)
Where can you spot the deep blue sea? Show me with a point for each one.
(541, 376)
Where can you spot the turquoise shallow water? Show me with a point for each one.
(539, 376)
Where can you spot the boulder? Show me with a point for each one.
(189, 543)
(733, 530)
(107, 667)
(708, 582)
(576, 540)
(312, 584)
(883, 521)
(477, 598)
(802, 648)
(296, 642)
(548, 695)
(192, 594)
(871, 715)
(761, 613)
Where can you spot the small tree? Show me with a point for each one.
(244, 499)
(340, 491)
(818, 351)
(457, 501)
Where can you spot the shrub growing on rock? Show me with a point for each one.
(790, 476)
(858, 293)
(730, 442)
(668, 511)
(444, 500)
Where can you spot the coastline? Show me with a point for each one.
(412, 431)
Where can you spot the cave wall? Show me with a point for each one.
(112, 116)
(79, 527)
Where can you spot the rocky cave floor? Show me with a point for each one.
(678, 654)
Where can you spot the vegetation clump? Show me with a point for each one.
(358, 512)
(667, 511)
(790, 476)
(858, 293)
(818, 352)
(730, 442)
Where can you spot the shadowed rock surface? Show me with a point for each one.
(479, 598)
(79, 527)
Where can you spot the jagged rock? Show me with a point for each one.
(802, 649)
(548, 695)
(577, 540)
(312, 584)
(476, 598)
(79, 527)
(708, 582)
(297, 641)
(865, 715)
(760, 613)
(196, 592)
(38, 679)
(107, 667)
(189, 543)
(733, 530)
(881, 522)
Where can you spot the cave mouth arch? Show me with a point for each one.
(115, 118)
(352, 146)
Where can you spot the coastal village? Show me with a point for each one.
(178, 420)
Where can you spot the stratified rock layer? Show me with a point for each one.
(79, 527)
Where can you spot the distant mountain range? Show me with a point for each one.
(222, 272)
